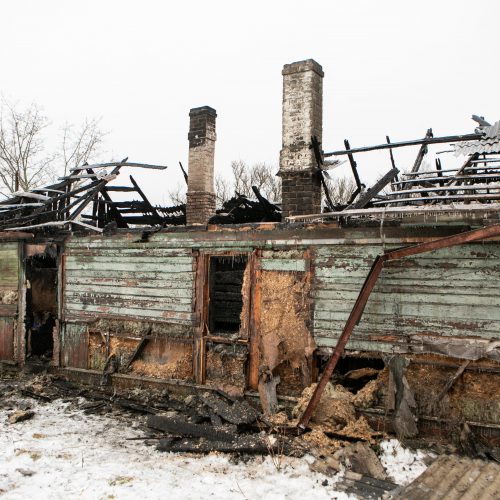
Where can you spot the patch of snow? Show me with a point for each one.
(63, 453)
(402, 464)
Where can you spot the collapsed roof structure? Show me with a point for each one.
(257, 296)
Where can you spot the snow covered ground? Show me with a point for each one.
(73, 455)
(64, 453)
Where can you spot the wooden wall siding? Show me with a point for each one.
(7, 339)
(9, 289)
(74, 345)
(9, 265)
(121, 280)
(450, 292)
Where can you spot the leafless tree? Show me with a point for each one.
(341, 189)
(223, 189)
(177, 195)
(24, 163)
(261, 175)
(80, 144)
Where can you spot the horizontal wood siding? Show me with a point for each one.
(9, 265)
(120, 278)
(449, 292)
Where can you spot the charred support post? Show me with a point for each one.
(302, 119)
(201, 194)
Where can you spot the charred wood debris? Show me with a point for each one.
(83, 200)
(475, 181)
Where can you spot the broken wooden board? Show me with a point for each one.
(179, 427)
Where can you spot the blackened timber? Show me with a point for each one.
(416, 142)
(354, 169)
(96, 189)
(367, 196)
(121, 189)
(137, 351)
(184, 173)
(241, 444)
(315, 144)
(179, 427)
(150, 207)
(122, 163)
(421, 153)
(120, 222)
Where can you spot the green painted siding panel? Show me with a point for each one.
(128, 282)
(9, 265)
(283, 264)
(448, 292)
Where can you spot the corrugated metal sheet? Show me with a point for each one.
(455, 478)
(113, 277)
(450, 292)
(490, 145)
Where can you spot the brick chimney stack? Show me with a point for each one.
(302, 119)
(201, 194)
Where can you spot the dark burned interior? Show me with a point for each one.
(41, 302)
(225, 294)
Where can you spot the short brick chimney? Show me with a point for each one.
(302, 119)
(201, 194)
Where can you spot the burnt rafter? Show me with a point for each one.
(475, 183)
(82, 200)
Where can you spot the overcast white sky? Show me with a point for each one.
(391, 67)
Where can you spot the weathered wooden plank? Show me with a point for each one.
(90, 310)
(474, 281)
(470, 250)
(157, 241)
(358, 272)
(118, 265)
(411, 309)
(130, 259)
(128, 252)
(283, 264)
(168, 291)
(6, 339)
(155, 277)
(137, 302)
(356, 345)
(117, 298)
(74, 345)
(333, 288)
(403, 330)
(344, 299)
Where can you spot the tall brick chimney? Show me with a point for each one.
(201, 194)
(302, 119)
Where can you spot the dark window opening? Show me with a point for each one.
(226, 300)
(41, 303)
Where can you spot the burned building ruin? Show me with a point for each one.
(230, 298)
